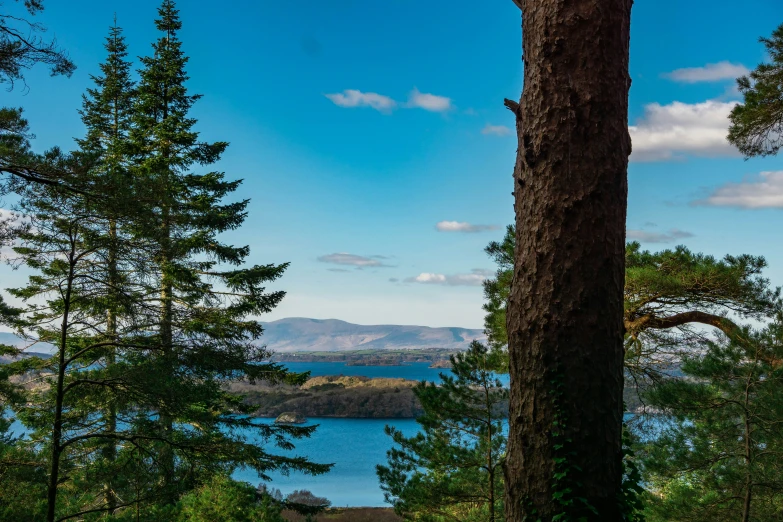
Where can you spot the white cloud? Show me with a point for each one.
(496, 130)
(457, 226)
(763, 191)
(475, 278)
(344, 258)
(416, 100)
(666, 132)
(428, 102)
(712, 72)
(354, 98)
(646, 236)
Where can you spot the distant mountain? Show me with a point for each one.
(297, 334)
(301, 334)
(37, 350)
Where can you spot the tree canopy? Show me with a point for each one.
(668, 294)
(757, 123)
(452, 469)
(716, 456)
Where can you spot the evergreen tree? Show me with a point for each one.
(668, 296)
(106, 113)
(225, 499)
(757, 124)
(148, 322)
(62, 239)
(498, 289)
(452, 469)
(21, 47)
(566, 302)
(205, 299)
(718, 457)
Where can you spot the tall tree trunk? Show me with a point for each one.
(166, 299)
(110, 448)
(565, 313)
(57, 425)
(167, 344)
(748, 454)
(490, 461)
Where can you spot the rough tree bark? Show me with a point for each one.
(565, 314)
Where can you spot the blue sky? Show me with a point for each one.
(360, 125)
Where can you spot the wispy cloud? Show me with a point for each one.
(645, 236)
(667, 132)
(344, 258)
(354, 98)
(475, 278)
(496, 130)
(428, 102)
(712, 72)
(458, 226)
(762, 191)
(351, 98)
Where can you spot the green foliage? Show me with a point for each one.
(717, 458)
(496, 291)
(632, 493)
(202, 299)
(22, 478)
(150, 314)
(667, 294)
(223, 499)
(567, 478)
(452, 468)
(757, 124)
(21, 47)
(305, 503)
(670, 282)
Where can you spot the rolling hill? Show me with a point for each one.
(302, 334)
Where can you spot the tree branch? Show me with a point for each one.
(695, 316)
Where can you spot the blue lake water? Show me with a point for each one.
(355, 446)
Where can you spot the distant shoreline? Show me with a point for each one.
(436, 357)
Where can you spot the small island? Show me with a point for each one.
(333, 396)
(290, 418)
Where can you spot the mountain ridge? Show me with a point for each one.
(299, 334)
(294, 334)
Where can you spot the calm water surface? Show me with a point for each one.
(355, 446)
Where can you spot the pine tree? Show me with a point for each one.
(205, 298)
(757, 124)
(565, 312)
(668, 295)
(63, 240)
(21, 48)
(717, 456)
(106, 113)
(452, 469)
